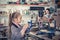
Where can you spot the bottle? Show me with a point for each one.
(30, 26)
(40, 24)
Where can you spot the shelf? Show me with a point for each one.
(25, 4)
(3, 37)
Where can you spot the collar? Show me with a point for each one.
(14, 25)
(17, 26)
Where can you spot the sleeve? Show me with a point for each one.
(16, 33)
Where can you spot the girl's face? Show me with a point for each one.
(19, 19)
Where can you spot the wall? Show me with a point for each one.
(20, 8)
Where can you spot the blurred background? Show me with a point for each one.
(31, 11)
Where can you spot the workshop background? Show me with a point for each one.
(30, 10)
